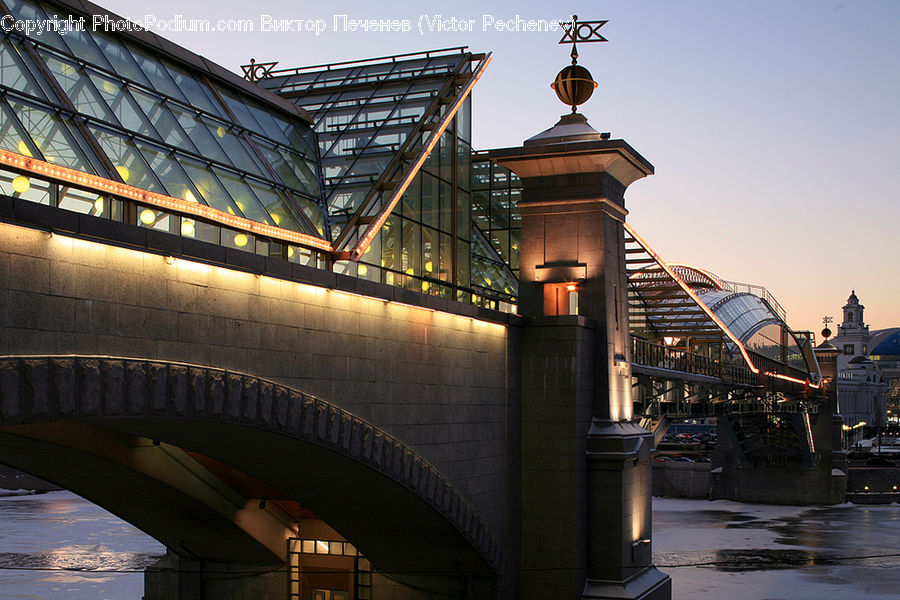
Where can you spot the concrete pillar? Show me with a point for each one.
(586, 472)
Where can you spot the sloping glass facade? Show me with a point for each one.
(373, 119)
(107, 105)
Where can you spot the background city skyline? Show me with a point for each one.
(774, 127)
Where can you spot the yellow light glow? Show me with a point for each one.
(123, 172)
(429, 266)
(21, 184)
(110, 87)
(291, 252)
(410, 271)
(23, 148)
(189, 196)
(98, 205)
(220, 131)
(239, 205)
(187, 228)
(148, 217)
(363, 270)
(571, 287)
(240, 240)
(277, 218)
(426, 286)
(48, 171)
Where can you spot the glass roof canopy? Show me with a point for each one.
(109, 106)
(684, 306)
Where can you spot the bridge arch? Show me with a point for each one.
(393, 505)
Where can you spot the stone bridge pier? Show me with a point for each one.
(586, 472)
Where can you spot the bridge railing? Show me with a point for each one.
(649, 354)
(770, 365)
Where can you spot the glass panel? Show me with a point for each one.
(122, 61)
(463, 120)
(164, 122)
(78, 88)
(122, 105)
(463, 215)
(411, 263)
(51, 137)
(238, 240)
(430, 200)
(430, 241)
(166, 168)
(463, 165)
(127, 161)
(199, 134)
(312, 211)
(244, 199)
(274, 203)
(14, 73)
(241, 156)
(446, 206)
(27, 11)
(196, 92)
(309, 546)
(446, 267)
(154, 219)
(446, 158)
(155, 72)
(86, 203)
(82, 46)
(412, 201)
(25, 187)
(389, 243)
(211, 191)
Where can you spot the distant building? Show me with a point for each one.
(868, 369)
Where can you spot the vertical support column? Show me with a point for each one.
(586, 473)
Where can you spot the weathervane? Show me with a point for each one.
(574, 84)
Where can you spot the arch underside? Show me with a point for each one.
(90, 423)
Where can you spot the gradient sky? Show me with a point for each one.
(774, 125)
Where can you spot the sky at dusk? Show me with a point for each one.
(774, 125)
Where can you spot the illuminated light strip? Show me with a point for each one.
(809, 434)
(376, 225)
(709, 312)
(95, 183)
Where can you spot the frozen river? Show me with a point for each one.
(57, 545)
(722, 549)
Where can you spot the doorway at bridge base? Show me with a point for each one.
(176, 578)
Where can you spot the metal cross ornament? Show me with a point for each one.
(575, 31)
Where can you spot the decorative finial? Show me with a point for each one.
(574, 84)
(826, 333)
